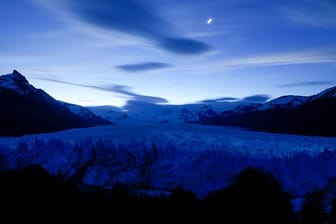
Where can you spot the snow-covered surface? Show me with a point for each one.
(74, 108)
(15, 82)
(145, 113)
(79, 110)
(328, 93)
(284, 102)
(198, 158)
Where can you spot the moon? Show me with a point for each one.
(209, 21)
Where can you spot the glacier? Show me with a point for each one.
(160, 157)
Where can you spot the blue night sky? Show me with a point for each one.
(105, 52)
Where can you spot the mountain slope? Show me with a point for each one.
(314, 115)
(26, 110)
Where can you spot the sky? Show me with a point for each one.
(106, 52)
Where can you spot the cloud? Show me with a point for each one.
(220, 100)
(259, 98)
(120, 89)
(208, 34)
(320, 14)
(182, 45)
(310, 56)
(311, 83)
(287, 58)
(125, 90)
(133, 17)
(143, 66)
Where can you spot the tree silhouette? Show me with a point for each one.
(313, 211)
(253, 196)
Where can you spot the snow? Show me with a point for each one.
(145, 113)
(74, 108)
(331, 92)
(163, 156)
(8, 82)
(78, 110)
(284, 102)
(16, 82)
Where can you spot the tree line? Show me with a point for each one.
(253, 197)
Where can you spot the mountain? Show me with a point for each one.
(284, 102)
(136, 112)
(26, 110)
(313, 115)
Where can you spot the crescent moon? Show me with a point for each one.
(209, 21)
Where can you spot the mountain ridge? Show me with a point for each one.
(27, 110)
(311, 115)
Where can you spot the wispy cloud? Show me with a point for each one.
(311, 12)
(220, 100)
(286, 58)
(311, 83)
(208, 34)
(8, 59)
(120, 89)
(315, 56)
(146, 66)
(133, 17)
(259, 98)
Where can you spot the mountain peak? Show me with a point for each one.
(15, 81)
(16, 72)
(18, 76)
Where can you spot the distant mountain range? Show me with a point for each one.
(26, 110)
(136, 112)
(313, 115)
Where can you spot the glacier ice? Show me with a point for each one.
(161, 157)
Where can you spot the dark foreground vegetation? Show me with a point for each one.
(253, 197)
